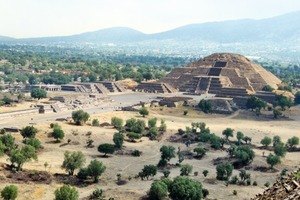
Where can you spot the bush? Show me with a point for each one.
(254, 183)
(158, 190)
(106, 148)
(9, 192)
(136, 153)
(83, 174)
(185, 112)
(38, 93)
(166, 173)
(95, 122)
(33, 142)
(28, 132)
(118, 139)
(205, 172)
(280, 149)
(183, 188)
(147, 171)
(152, 122)
(66, 193)
(267, 184)
(205, 106)
(117, 123)
(72, 161)
(273, 160)
(95, 169)
(185, 170)
(58, 133)
(266, 141)
(244, 154)
(80, 117)
(292, 143)
(224, 171)
(144, 111)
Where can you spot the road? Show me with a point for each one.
(117, 101)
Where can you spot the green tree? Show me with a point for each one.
(163, 125)
(144, 111)
(38, 93)
(228, 132)
(72, 161)
(33, 142)
(205, 106)
(280, 150)
(80, 117)
(200, 152)
(152, 122)
(66, 193)
(224, 171)
(133, 136)
(152, 133)
(276, 113)
(205, 172)
(186, 169)
(273, 160)
(95, 122)
(10, 192)
(147, 171)
(244, 154)
(255, 103)
(297, 98)
(184, 188)
(266, 141)
(276, 140)
(292, 143)
(158, 190)
(139, 126)
(106, 148)
(29, 132)
(118, 139)
(240, 136)
(58, 133)
(8, 140)
(167, 152)
(95, 169)
(117, 123)
(282, 101)
(18, 157)
(267, 88)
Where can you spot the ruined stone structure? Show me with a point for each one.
(101, 87)
(223, 74)
(287, 188)
(155, 87)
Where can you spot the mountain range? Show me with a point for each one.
(284, 28)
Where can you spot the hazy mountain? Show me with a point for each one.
(4, 38)
(284, 28)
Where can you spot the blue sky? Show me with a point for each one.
(37, 18)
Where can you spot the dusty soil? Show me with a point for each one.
(128, 166)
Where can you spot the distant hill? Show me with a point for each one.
(279, 36)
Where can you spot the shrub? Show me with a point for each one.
(33, 142)
(185, 170)
(66, 193)
(106, 148)
(117, 123)
(205, 172)
(144, 111)
(9, 192)
(224, 171)
(28, 132)
(266, 141)
(118, 139)
(136, 153)
(95, 122)
(80, 117)
(158, 190)
(184, 188)
(205, 106)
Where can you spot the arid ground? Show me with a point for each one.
(129, 166)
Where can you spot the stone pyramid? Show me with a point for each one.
(221, 74)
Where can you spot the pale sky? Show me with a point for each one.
(39, 18)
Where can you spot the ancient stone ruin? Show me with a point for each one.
(222, 74)
(286, 188)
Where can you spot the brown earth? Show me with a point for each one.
(128, 166)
